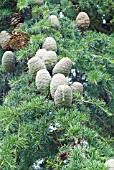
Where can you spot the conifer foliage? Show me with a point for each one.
(35, 134)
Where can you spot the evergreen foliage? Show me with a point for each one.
(6, 9)
(34, 134)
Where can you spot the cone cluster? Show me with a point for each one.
(50, 75)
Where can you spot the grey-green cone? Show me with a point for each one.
(57, 79)
(35, 64)
(4, 39)
(39, 2)
(48, 57)
(110, 164)
(41, 53)
(63, 96)
(8, 61)
(77, 87)
(63, 66)
(54, 21)
(50, 44)
(43, 79)
(50, 60)
(82, 20)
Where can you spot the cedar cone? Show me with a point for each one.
(8, 61)
(63, 96)
(43, 79)
(54, 21)
(82, 21)
(50, 44)
(57, 79)
(35, 64)
(63, 66)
